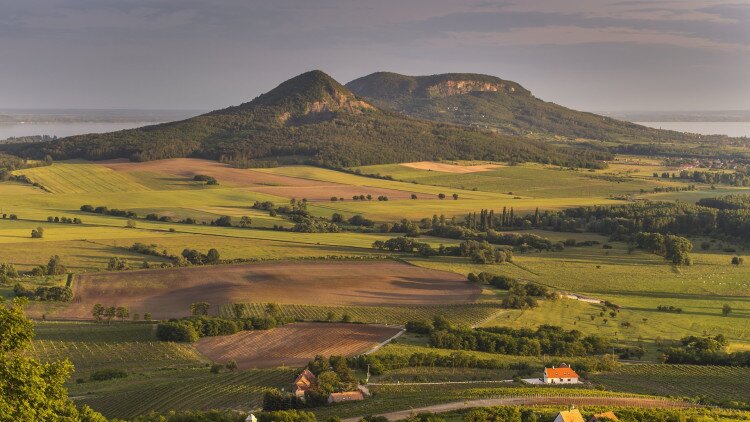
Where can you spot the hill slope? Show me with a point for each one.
(490, 102)
(310, 118)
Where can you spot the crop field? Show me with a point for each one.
(263, 182)
(130, 347)
(81, 177)
(168, 293)
(194, 389)
(294, 344)
(525, 180)
(469, 314)
(720, 383)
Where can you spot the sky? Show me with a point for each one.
(198, 54)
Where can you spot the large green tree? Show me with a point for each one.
(31, 390)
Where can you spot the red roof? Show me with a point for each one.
(560, 373)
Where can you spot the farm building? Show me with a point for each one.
(572, 415)
(304, 381)
(561, 375)
(606, 416)
(346, 396)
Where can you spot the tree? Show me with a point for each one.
(122, 313)
(441, 196)
(110, 313)
(130, 224)
(726, 309)
(55, 267)
(455, 196)
(199, 308)
(413, 196)
(232, 365)
(737, 260)
(245, 221)
(117, 264)
(328, 381)
(97, 312)
(147, 316)
(37, 233)
(212, 257)
(31, 390)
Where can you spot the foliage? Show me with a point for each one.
(32, 390)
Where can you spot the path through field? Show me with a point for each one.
(532, 401)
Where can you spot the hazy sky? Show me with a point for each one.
(586, 54)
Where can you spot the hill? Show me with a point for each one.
(310, 118)
(490, 102)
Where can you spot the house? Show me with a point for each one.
(564, 374)
(345, 396)
(572, 415)
(304, 381)
(251, 418)
(606, 416)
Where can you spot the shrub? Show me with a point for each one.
(108, 374)
(176, 331)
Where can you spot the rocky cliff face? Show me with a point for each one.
(458, 87)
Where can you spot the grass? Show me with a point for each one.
(717, 383)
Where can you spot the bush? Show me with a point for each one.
(176, 331)
(108, 374)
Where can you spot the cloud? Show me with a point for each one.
(572, 35)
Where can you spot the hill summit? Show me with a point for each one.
(305, 98)
(489, 102)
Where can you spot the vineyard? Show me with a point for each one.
(130, 347)
(294, 344)
(196, 389)
(397, 397)
(718, 383)
(457, 314)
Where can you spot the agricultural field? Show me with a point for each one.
(168, 293)
(533, 180)
(189, 389)
(463, 315)
(294, 344)
(125, 346)
(324, 278)
(720, 383)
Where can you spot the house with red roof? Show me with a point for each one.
(345, 396)
(563, 374)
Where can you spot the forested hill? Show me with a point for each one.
(490, 102)
(310, 118)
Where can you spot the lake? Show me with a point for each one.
(704, 128)
(63, 129)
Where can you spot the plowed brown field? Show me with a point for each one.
(168, 293)
(293, 344)
(272, 184)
